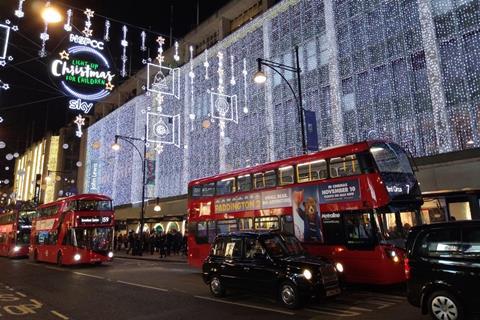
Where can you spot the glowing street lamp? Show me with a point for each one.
(51, 15)
(157, 207)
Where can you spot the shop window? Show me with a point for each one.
(344, 166)
(311, 171)
(460, 210)
(286, 175)
(225, 186)
(244, 183)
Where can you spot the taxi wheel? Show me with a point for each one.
(444, 306)
(289, 295)
(216, 287)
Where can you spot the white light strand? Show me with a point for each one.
(68, 26)
(44, 36)
(143, 37)
(232, 71)
(245, 86)
(19, 12)
(106, 35)
(176, 57)
(124, 44)
(206, 64)
(191, 74)
(4, 86)
(87, 31)
(160, 58)
(220, 72)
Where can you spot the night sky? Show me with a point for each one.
(33, 105)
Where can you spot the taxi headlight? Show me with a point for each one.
(307, 274)
(339, 267)
(76, 257)
(110, 254)
(16, 249)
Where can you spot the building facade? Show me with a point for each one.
(403, 70)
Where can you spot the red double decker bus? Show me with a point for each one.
(73, 230)
(15, 227)
(351, 204)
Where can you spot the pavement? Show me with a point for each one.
(150, 257)
(147, 289)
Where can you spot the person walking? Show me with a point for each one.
(162, 244)
(131, 242)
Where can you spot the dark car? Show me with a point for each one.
(443, 269)
(270, 262)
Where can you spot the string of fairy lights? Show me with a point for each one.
(403, 71)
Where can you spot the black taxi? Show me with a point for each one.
(268, 261)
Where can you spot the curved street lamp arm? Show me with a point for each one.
(288, 83)
(128, 139)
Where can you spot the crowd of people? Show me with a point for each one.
(171, 243)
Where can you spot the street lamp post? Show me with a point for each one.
(260, 77)
(143, 157)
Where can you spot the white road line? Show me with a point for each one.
(379, 303)
(377, 295)
(21, 294)
(246, 305)
(55, 268)
(334, 312)
(88, 275)
(142, 286)
(58, 314)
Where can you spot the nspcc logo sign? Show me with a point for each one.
(83, 72)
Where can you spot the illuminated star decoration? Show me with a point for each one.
(64, 55)
(159, 148)
(87, 31)
(161, 42)
(3, 63)
(109, 86)
(1, 119)
(4, 86)
(79, 121)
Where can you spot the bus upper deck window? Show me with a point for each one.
(196, 191)
(208, 189)
(311, 171)
(344, 166)
(225, 186)
(286, 175)
(244, 183)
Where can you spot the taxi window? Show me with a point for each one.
(233, 248)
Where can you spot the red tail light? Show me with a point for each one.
(407, 268)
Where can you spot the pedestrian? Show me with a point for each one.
(162, 244)
(169, 242)
(151, 243)
(131, 242)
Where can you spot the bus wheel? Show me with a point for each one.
(216, 287)
(289, 295)
(59, 259)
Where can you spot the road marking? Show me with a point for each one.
(340, 312)
(88, 275)
(55, 268)
(58, 314)
(21, 294)
(378, 295)
(142, 286)
(379, 303)
(246, 305)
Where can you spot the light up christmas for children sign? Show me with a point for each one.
(83, 72)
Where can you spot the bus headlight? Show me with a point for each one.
(110, 254)
(76, 257)
(307, 274)
(16, 249)
(339, 267)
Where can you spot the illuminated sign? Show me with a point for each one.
(83, 72)
(93, 220)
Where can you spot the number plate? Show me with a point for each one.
(333, 292)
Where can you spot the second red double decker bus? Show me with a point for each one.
(15, 226)
(74, 230)
(351, 204)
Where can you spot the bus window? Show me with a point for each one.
(264, 180)
(311, 171)
(245, 224)
(244, 183)
(344, 166)
(267, 223)
(201, 234)
(258, 182)
(391, 158)
(208, 189)
(196, 191)
(212, 231)
(359, 228)
(225, 186)
(225, 226)
(285, 175)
